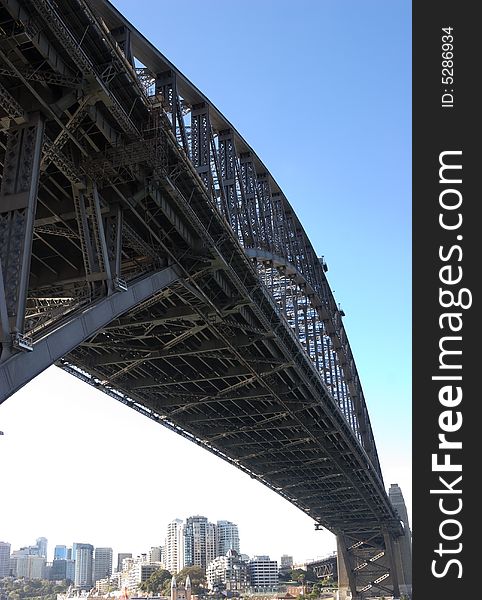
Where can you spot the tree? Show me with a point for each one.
(156, 582)
(298, 575)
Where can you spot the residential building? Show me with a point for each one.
(174, 547)
(135, 571)
(263, 574)
(84, 558)
(103, 586)
(199, 542)
(227, 537)
(102, 563)
(228, 573)
(4, 559)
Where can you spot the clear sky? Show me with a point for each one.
(322, 91)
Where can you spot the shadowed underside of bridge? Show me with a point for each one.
(147, 250)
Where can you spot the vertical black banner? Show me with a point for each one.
(446, 323)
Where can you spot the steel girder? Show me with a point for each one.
(21, 367)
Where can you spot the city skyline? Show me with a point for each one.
(226, 537)
(62, 550)
(347, 177)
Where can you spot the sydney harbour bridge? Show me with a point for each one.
(146, 249)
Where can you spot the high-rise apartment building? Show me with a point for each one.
(102, 563)
(136, 571)
(263, 574)
(227, 537)
(228, 572)
(4, 559)
(199, 542)
(173, 555)
(84, 558)
(120, 558)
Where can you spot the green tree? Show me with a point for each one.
(35, 589)
(156, 582)
(303, 576)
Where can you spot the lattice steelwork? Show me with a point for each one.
(310, 330)
(146, 249)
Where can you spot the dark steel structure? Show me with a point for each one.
(147, 250)
(323, 568)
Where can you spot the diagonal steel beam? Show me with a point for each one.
(20, 368)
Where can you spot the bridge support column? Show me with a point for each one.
(368, 566)
(402, 560)
(346, 577)
(18, 202)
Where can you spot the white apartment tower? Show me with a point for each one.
(174, 547)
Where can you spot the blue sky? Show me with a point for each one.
(322, 91)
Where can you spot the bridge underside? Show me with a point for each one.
(146, 249)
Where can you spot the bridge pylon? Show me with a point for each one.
(370, 566)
